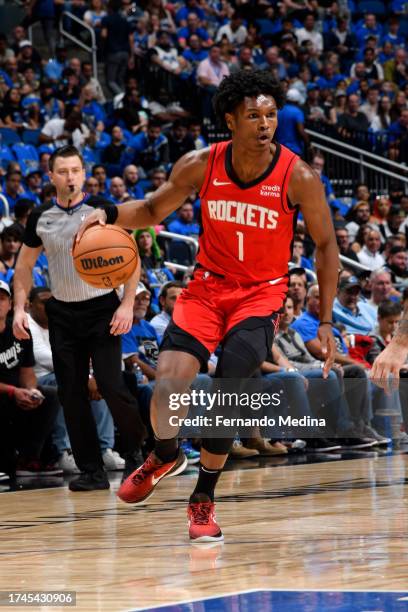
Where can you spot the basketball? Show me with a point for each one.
(106, 256)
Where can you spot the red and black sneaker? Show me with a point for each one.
(202, 522)
(139, 486)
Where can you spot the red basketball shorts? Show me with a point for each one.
(212, 305)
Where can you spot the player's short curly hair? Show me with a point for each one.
(242, 84)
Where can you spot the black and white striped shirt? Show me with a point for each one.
(54, 228)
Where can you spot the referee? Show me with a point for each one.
(85, 323)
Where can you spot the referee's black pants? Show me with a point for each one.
(80, 331)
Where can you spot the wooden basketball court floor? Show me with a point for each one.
(315, 536)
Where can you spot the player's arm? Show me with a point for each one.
(393, 357)
(187, 174)
(306, 190)
(22, 284)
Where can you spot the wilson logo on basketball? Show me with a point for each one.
(93, 263)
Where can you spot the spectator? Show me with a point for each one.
(180, 141)
(5, 51)
(118, 193)
(394, 223)
(132, 111)
(368, 28)
(343, 241)
(234, 31)
(308, 32)
(118, 39)
(167, 299)
(92, 186)
(382, 120)
(113, 153)
(290, 131)
(95, 14)
(185, 223)
(13, 188)
(89, 78)
(193, 28)
(297, 290)
(151, 148)
(298, 257)
(381, 209)
(370, 253)
(371, 105)
(33, 183)
(11, 114)
(99, 172)
(27, 410)
(92, 111)
(22, 210)
(274, 63)
(381, 287)
(329, 78)
(389, 316)
(44, 12)
(357, 316)
(61, 132)
(131, 180)
(140, 346)
(397, 264)
(361, 215)
(210, 73)
(352, 121)
(11, 240)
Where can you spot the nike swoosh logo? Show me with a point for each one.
(218, 183)
(156, 480)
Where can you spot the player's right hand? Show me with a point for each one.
(20, 325)
(96, 216)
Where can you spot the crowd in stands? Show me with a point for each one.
(344, 70)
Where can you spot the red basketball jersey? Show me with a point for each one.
(247, 228)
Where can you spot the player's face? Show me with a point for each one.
(254, 122)
(68, 176)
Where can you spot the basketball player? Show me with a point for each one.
(84, 323)
(250, 190)
(393, 357)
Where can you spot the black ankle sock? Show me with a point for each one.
(166, 450)
(206, 483)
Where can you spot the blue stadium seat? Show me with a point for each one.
(404, 26)
(27, 156)
(6, 156)
(371, 6)
(9, 136)
(31, 136)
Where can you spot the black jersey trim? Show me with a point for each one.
(229, 169)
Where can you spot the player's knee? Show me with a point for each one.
(217, 446)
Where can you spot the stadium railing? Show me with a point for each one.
(66, 16)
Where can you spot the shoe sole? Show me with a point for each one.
(207, 539)
(175, 472)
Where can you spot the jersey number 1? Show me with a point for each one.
(240, 246)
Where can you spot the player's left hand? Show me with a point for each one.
(122, 320)
(328, 344)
